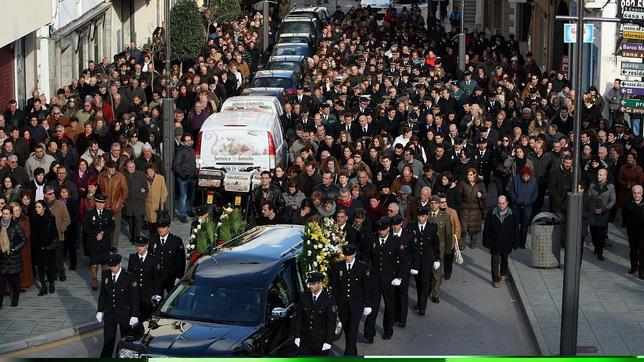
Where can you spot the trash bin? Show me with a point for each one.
(546, 237)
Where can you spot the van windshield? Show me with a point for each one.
(212, 304)
(298, 27)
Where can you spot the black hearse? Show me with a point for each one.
(237, 302)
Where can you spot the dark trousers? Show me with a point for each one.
(525, 215)
(423, 286)
(167, 285)
(599, 235)
(59, 254)
(135, 223)
(109, 335)
(306, 350)
(49, 271)
(350, 317)
(69, 249)
(145, 310)
(499, 260)
(501, 184)
(14, 281)
(541, 195)
(152, 229)
(382, 289)
(449, 264)
(636, 252)
(402, 299)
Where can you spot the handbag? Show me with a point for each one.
(458, 256)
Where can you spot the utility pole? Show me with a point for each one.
(168, 119)
(461, 40)
(266, 39)
(574, 202)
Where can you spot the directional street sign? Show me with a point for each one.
(633, 69)
(631, 106)
(570, 33)
(630, 9)
(630, 110)
(632, 84)
(633, 46)
(631, 54)
(633, 91)
(635, 35)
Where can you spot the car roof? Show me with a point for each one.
(303, 18)
(252, 260)
(274, 73)
(294, 35)
(271, 90)
(247, 120)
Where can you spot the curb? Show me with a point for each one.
(519, 289)
(49, 337)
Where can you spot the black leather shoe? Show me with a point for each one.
(600, 257)
(421, 312)
(52, 287)
(448, 276)
(43, 291)
(114, 250)
(416, 307)
(435, 300)
(402, 324)
(386, 336)
(183, 219)
(641, 276)
(94, 288)
(368, 340)
(632, 270)
(62, 277)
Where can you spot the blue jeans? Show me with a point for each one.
(186, 195)
(525, 214)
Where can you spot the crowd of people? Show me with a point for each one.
(386, 134)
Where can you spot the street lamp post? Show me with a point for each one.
(461, 40)
(572, 265)
(168, 122)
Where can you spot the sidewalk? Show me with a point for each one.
(69, 311)
(611, 313)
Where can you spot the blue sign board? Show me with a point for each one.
(570, 33)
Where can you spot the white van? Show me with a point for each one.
(233, 147)
(253, 104)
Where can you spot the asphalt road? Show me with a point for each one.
(472, 318)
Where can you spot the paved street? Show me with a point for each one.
(472, 319)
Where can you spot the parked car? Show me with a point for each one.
(291, 49)
(300, 24)
(320, 12)
(296, 38)
(285, 79)
(278, 93)
(239, 301)
(380, 6)
(296, 63)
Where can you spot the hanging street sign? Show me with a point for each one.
(632, 69)
(633, 91)
(631, 106)
(570, 33)
(633, 35)
(633, 46)
(630, 9)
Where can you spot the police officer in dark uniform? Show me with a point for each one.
(425, 253)
(404, 260)
(118, 303)
(348, 283)
(384, 276)
(171, 253)
(314, 322)
(145, 268)
(98, 227)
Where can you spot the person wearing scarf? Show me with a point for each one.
(12, 240)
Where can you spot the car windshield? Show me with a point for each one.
(289, 50)
(212, 304)
(298, 27)
(272, 82)
(284, 66)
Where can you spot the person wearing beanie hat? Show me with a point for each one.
(385, 276)
(348, 281)
(523, 194)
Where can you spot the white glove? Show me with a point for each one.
(326, 347)
(99, 317)
(396, 282)
(176, 281)
(437, 264)
(133, 321)
(297, 342)
(366, 311)
(413, 272)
